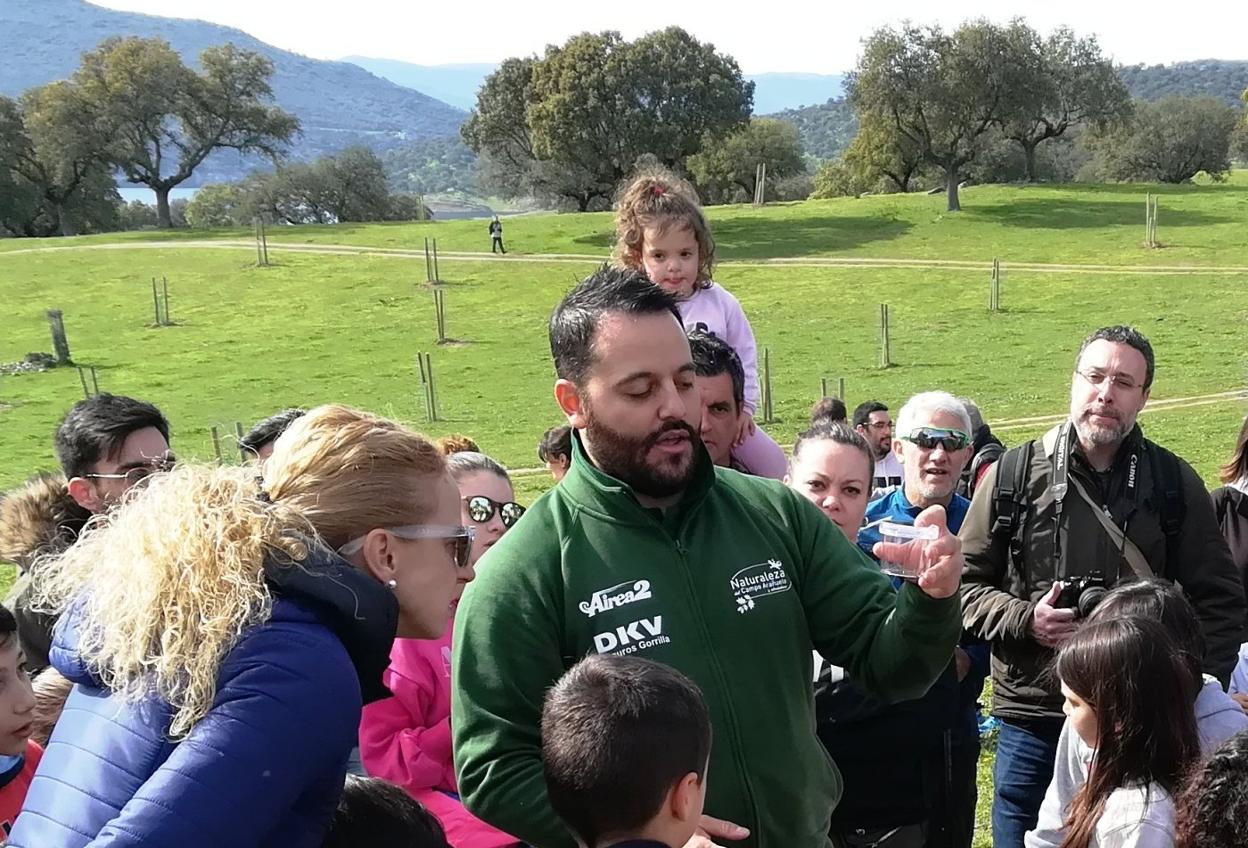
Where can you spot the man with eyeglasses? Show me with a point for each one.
(873, 423)
(910, 767)
(106, 445)
(1056, 522)
(647, 548)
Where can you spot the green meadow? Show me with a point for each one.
(347, 325)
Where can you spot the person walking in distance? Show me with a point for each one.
(496, 236)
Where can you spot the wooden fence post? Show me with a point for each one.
(885, 340)
(60, 343)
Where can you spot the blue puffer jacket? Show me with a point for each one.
(264, 767)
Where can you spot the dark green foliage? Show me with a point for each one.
(1214, 77)
(1168, 141)
(826, 130)
(435, 165)
(572, 124)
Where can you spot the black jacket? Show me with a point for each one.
(999, 594)
(1230, 505)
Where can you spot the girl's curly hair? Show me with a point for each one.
(656, 197)
(1214, 806)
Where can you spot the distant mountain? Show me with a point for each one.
(453, 84)
(338, 104)
(1215, 77)
(826, 129)
(778, 92)
(458, 84)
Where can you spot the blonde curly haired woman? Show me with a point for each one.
(224, 632)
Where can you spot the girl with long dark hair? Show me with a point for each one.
(1129, 695)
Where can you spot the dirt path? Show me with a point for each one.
(588, 258)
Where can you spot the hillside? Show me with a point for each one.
(453, 84)
(826, 129)
(775, 92)
(338, 103)
(1214, 77)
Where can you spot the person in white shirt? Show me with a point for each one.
(873, 423)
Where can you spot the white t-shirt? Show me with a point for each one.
(887, 473)
(1136, 817)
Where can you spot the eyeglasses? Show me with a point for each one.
(137, 475)
(1097, 379)
(481, 509)
(881, 425)
(461, 536)
(928, 438)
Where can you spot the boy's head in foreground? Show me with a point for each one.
(625, 743)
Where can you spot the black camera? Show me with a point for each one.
(1082, 594)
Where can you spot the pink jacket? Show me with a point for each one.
(720, 313)
(406, 739)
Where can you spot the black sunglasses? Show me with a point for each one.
(928, 438)
(481, 509)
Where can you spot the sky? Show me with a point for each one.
(781, 35)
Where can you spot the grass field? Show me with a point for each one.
(319, 327)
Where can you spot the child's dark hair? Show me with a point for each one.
(829, 409)
(1136, 681)
(269, 429)
(556, 442)
(618, 733)
(1214, 807)
(1162, 601)
(8, 627)
(379, 814)
(655, 197)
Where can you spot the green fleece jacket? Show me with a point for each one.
(734, 587)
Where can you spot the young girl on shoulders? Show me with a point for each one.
(661, 229)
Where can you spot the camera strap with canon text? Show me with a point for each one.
(1062, 480)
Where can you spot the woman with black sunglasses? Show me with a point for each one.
(406, 739)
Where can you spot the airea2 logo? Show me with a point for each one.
(631, 637)
(628, 592)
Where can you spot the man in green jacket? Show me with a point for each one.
(646, 548)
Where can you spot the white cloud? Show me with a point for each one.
(782, 35)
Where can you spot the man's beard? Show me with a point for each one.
(624, 457)
(1098, 435)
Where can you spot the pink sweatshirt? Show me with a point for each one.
(718, 312)
(406, 739)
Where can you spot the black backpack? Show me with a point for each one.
(1009, 493)
(988, 454)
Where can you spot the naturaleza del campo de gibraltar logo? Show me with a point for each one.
(758, 581)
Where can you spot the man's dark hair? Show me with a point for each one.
(556, 442)
(618, 733)
(713, 356)
(574, 323)
(1127, 335)
(95, 428)
(8, 627)
(829, 409)
(378, 814)
(862, 412)
(268, 430)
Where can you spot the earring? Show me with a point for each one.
(392, 584)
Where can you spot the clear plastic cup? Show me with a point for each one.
(904, 534)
